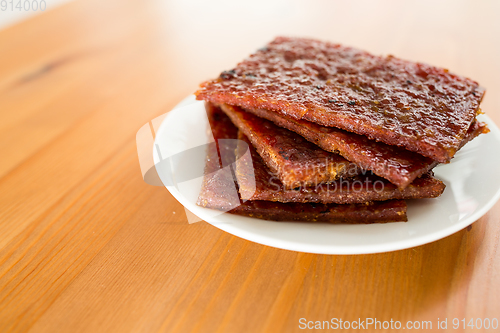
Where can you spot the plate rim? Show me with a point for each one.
(332, 249)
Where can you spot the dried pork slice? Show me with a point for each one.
(257, 182)
(296, 161)
(475, 130)
(217, 192)
(420, 107)
(396, 164)
(366, 213)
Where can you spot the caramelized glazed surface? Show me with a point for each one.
(423, 108)
(296, 161)
(257, 182)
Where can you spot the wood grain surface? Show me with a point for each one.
(87, 246)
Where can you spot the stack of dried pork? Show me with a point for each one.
(335, 134)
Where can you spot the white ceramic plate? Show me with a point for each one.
(472, 188)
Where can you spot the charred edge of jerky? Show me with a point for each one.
(227, 75)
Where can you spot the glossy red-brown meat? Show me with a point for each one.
(396, 164)
(475, 130)
(296, 161)
(257, 182)
(366, 213)
(218, 192)
(423, 108)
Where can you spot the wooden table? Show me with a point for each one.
(87, 246)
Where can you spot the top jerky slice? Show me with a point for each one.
(420, 107)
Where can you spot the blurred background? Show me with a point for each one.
(14, 12)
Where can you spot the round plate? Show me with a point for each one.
(472, 188)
